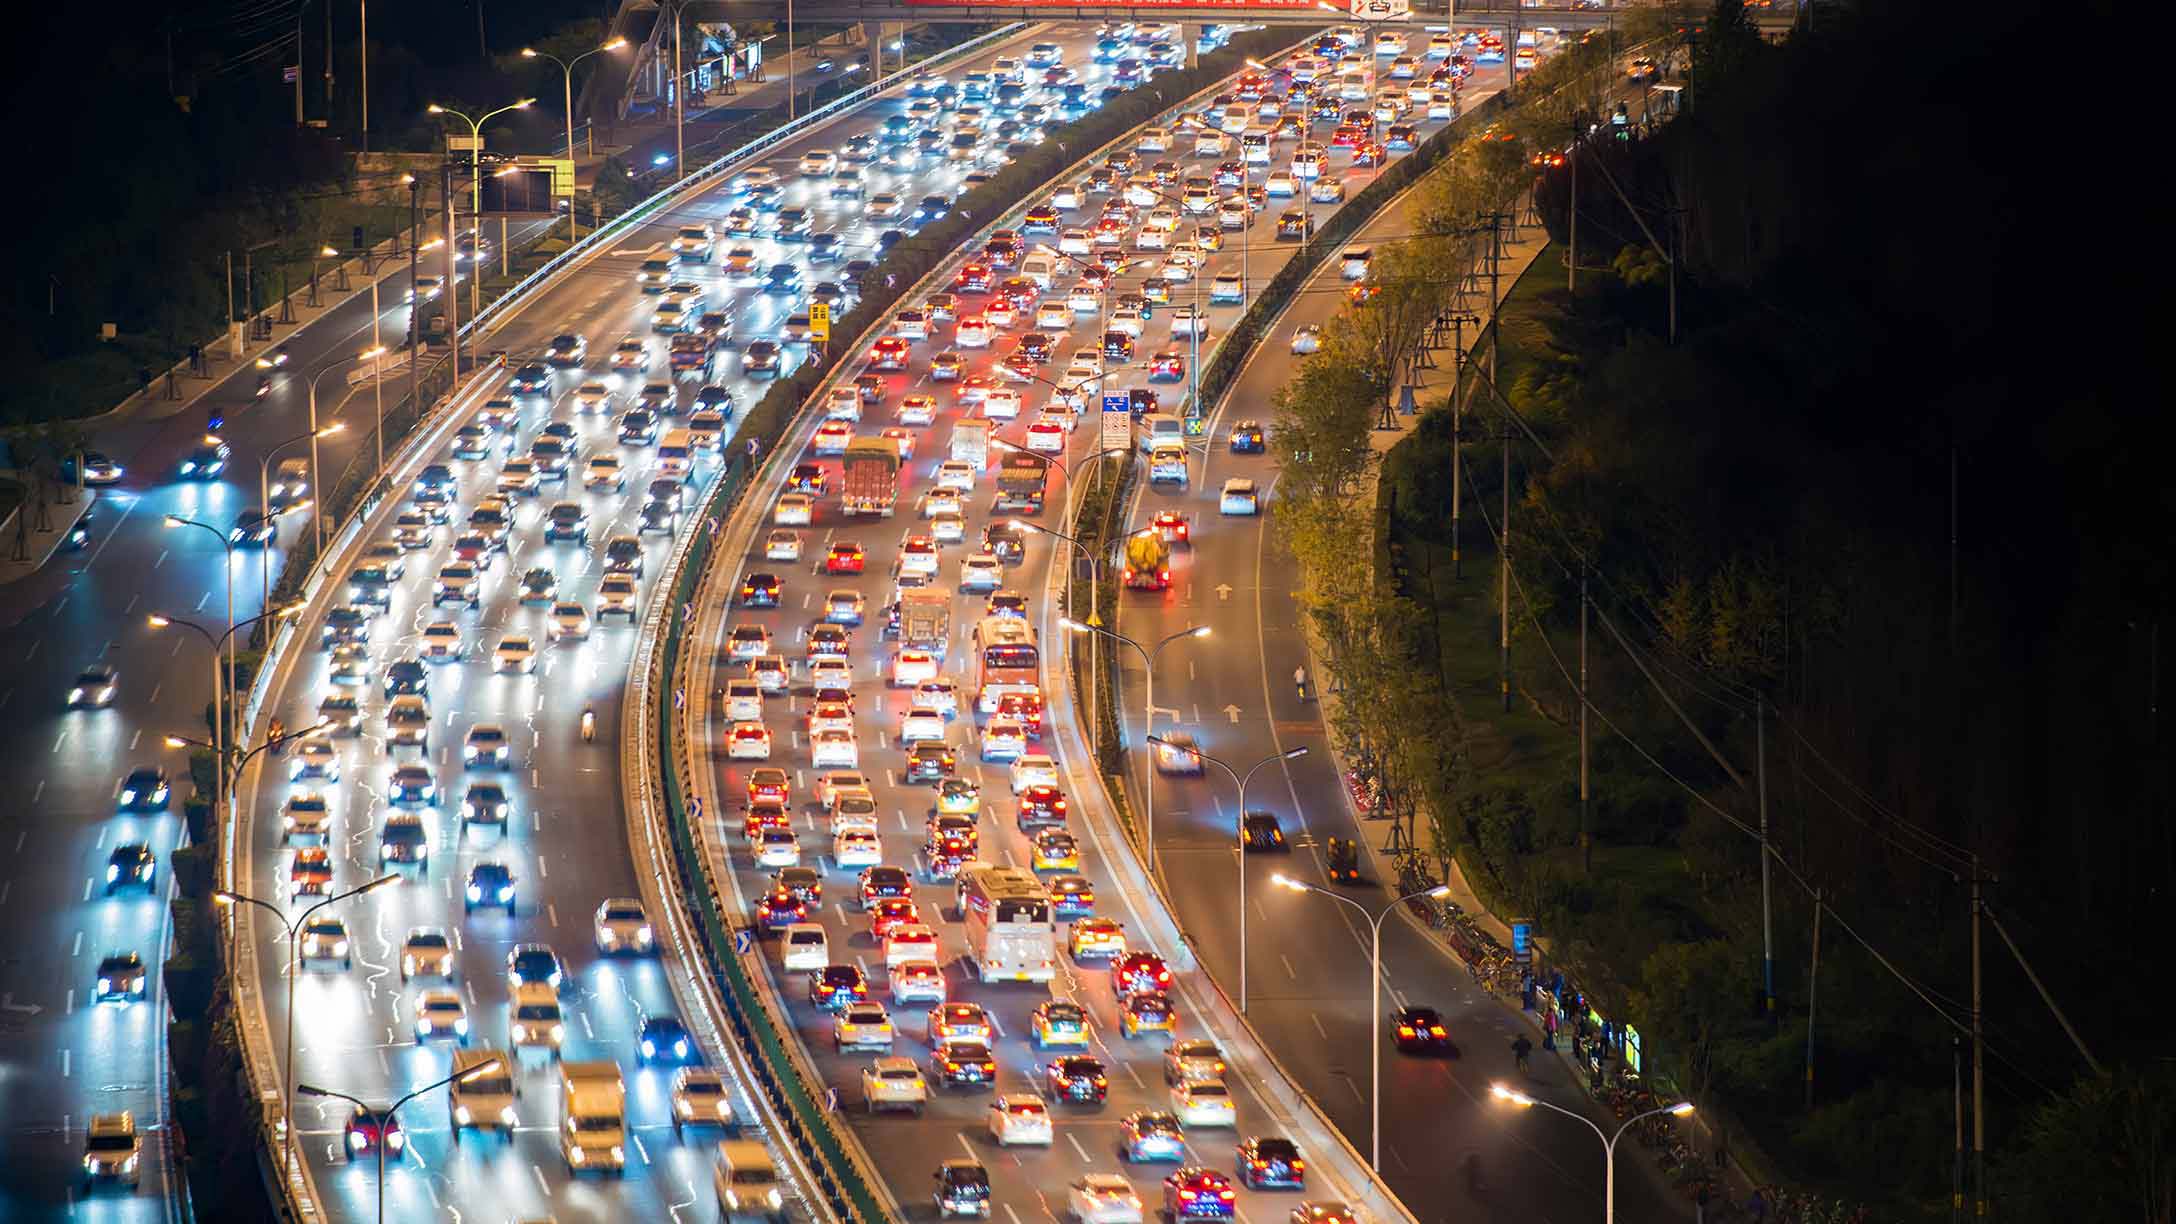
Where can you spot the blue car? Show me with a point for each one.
(489, 885)
(1151, 1134)
(663, 1039)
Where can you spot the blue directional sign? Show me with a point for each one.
(1117, 403)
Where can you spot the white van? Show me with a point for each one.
(676, 454)
(746, 1183)
(806, 948)
(482, 1102)
(1159, 427)
(1037, 268)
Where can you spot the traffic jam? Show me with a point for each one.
(931, 906)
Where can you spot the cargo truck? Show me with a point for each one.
(971, 442)
(1020, 482)
(871, 485)
(593, 1117)
(1148, 561)
(925, 619)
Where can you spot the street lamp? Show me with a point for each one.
(1148, 655)
(475, 214)
(1609, 1142)
(1239, 780)
(317, 517)
(390, 1117)
(242, 760)
(219, 717)
(219, 691)
(1375, 996)
(475, 152)
(566, 69)
(1095, 585)
(264, 487)
(293, 932)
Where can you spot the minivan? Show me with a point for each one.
(675, 454)
(659, 264)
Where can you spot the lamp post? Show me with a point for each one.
(566, 69)
(1239, 780)
(1375, 996)
(1609, 1142)
(1095, 587)
(391, 1117)
(475, 204)
(317, 517)
(264, 490)
(219, 716)
(377, 347)
(1148, 655)
(242, 760)
(219, 690)
(293, 931)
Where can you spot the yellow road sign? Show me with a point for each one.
(819, 321)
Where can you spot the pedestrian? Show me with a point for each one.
(1594, 1078)
(1520, 1049)
(1700, 1204)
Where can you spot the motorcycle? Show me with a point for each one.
(589, 725)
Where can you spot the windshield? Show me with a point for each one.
(112, 1143)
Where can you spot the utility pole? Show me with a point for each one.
(679, 97)
(1767, 915)
(1571, 262)
(1458, 431)
(1503, 565)
(415, 305)
(453, 294)
(1586, 839)
(1956, 1164)
(1979, 1059)
(1813, 994)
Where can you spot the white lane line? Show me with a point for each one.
(1084, 1158)
(77, 948)
(67, 1063)
(551, 911)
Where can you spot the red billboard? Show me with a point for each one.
(1240, 7)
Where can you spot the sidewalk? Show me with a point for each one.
(39, 543)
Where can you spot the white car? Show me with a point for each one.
(1075, 242)
(442, 642)
(949, 528)
(785, 545)
(834, 749)
(1203, 1103)
(917, 410)
(1104, 1198)
(883, 204)
(921, 723)
(956, 474)
(831, 673)
(516, 654)
(1021, 1118)
(749, 741)
(1129, 321)
(1151, 239)
(439, 1013)
(794, 510)
(1307, 338)
(819, 163)
(862, 1026)
(894, 1083)
(1001, 405)
(856, 848)
(981, 572)
(1033, 769)
(842, 404)
(942, 501)
(806, 946)
(1187, 321)
(622, 926)
(917, 982)
(1083, 301)
(1047, 434)
(1328, 189)
(778, 848)
(569, 621)
(605, 472)
(1153, 140)
(909, 941)
(912, 667)
(1003, 739)
(1281, 183)
(1054, 316)
(1238, 497)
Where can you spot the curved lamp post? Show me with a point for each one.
(1239, 780)
(1148, 655)
(1609, 1142)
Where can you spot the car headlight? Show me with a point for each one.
(461, 1026)
(187, 467)
(577, 1156)
(128, 796)
(461, 1114)
(506, 892)
(649, 1048)
(112, 873)
(396, 1141)
(105, 985)
(89, 1161)
(75, 694)
(619, 1154)
(423, 1025)
(475, 892)
(643, 934)
(506, 1115)
(558, 1031)
(357, 1141)
(521, 1032)
(339, 947)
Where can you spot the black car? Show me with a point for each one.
(713, 398)
(805, 883)
(760, 357)
(623, 555)
(567, 521)
(490, 885)
(407, 676)
(1271, 1163)
(145, 790)
(963, 1064)
(880, 883)
(760, 591)
(638, 428)
(533, 963)
(890, 238)
(857, 269)
(791, 223)
(1247, 438)
(254, 529)
(963, 1189)
(94, 687)
(932, 208)
(533, 378)
(566, 350)
(346, 625)
(823, 247)
(1077, 1078)
(207, 460)
(131, 865)
(661, 516)
(663, 1039)
(835, 986)
(1420, 1030)
(121, 978)
(1007, 542)
(1260, 831)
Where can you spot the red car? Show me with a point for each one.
(973, 278)
(1027, 707)
(1195, 1193)
(1173, 527)
(765, 814)
(845, 557)
(1139, 971)
(367, 1128)
(892, 912)
(1042, 807)
(806, 478)
(1167, 367)
(890, 353)
(768, 785)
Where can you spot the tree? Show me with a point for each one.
(1319, 429)
(2104, 1150)
(1408, 283)
(1688, 994)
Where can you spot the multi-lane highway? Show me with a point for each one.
(564, 842)
(951, 373)
(1308, 965)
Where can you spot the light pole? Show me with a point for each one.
(566, 69)
(377, 348)
(1095, 586)
(242, 760)
(264, 491)
(391, 1117)
(219, 717)
(293, 931)
(1148, 655)
(475, 205)
(219, 691)
(317, 515)
(1375, 996)
(1609, 1142)
(1239, 780)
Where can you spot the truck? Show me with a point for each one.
(1021, 478)
(1148, 561)
(593, 1116)
(1167, 463)
(971, 442)
(871, 485)
(925, 619)
(484, 1101)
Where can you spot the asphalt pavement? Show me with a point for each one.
(1026, 1181)
(1308, 958)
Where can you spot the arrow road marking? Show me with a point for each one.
(1232, 712)
(1223, 591)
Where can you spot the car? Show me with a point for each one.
(663, 1040)
(441, 1014)
(1137, 972)
(964, 1064)
(122, 978)
(780, 910)
(917, 982)
(1238, 497)
(1147, 1011)
(112, 1150)
(1420, 1030)
(1151, 1134)
(1259, 831)
(843, 607)
(427, 952)
(622, 926)
(1072, 896)
(1203, 1103)
(862, 1026)
(835, 986)
(490, 884)
(325, 938)
(207, 459)
(569, 621)
(1103, 1198)
(1247, 439)
(1271, 1163)
(1019, 1118)
(699, 1099)
(950, 1022)
(894, 1083)
(131, 865)
(374, 1134)
(1195, 1193)
(1058, 1023)
(1077, 1079)
(145, 789)
(534, 1017)
(1176, 754)
(748, 741)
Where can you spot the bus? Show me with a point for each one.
(1006, 660)
(1011, 936)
